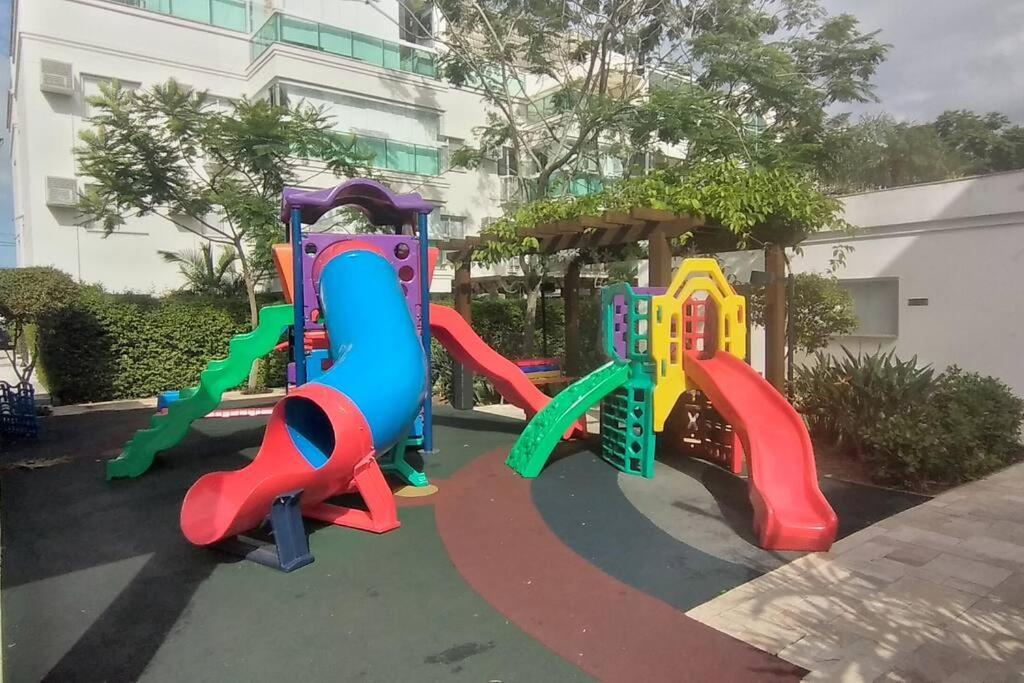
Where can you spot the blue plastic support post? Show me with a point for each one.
(289, 532)
(299, 330)
(428, 422)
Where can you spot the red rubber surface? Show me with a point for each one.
(790, 512)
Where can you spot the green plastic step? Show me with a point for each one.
(534, 446)
(167, 429)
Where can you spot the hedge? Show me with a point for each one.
(115, 346)
(118, 346)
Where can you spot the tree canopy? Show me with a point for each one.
(879, 151)
(27, 297)
(213, 169)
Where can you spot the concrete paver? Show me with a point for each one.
(935, 593)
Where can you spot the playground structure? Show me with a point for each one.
(662, 344)
(360, 319)
(361, 325)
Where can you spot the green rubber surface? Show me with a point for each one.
(167, 429)
(545, 430)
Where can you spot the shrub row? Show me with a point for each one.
(114, 346)
(912, 426)
(104, 346)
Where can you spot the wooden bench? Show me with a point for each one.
(545, 373)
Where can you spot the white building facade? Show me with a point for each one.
(935, 271)
(367, 64)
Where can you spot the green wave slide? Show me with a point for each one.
(167, 429)
(534, 446)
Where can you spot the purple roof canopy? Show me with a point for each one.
(381, 205)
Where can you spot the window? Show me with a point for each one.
(451, 227)
(415, 24)
(876, 302)
(91, 88)
(508, 162)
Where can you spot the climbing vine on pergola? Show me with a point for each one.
(707, 208)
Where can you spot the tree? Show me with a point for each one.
(216, 172)
(763, 76)
(27, 297)
(988, 142)
(822, 309)
(878, 152)
(204, 275)
(581, 92)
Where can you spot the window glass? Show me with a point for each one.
(876, 303)
(228, 14)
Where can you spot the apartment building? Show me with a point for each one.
(368, 63)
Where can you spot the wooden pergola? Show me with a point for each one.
(618, 228)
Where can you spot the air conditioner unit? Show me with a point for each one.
(57, 77)
(61, 191)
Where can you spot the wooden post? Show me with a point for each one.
(571, 297)
(462, 377)
(659, 260)
(463, 287)
(775, 317)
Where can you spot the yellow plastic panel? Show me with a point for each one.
(695, 275)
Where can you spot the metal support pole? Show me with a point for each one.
(428, 423)
(543, 322)
(299, 330)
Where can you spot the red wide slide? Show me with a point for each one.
(790, 512)
(466, 346)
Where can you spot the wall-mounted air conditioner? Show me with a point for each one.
(61, 192)
(56, 77)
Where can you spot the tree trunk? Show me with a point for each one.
(571, 297)
(254, 310)
(775, 317)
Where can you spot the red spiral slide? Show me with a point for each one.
(790, 512)
(466, 346)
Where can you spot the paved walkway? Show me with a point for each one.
(935, 593)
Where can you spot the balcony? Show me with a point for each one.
(390, 155)
(229, 14)
(281, 28)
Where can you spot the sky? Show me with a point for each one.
(946, 54)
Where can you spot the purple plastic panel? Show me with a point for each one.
(620, 320)
(381, 205)
(401, 251)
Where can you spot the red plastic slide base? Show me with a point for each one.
(381, 514)
(223, 504)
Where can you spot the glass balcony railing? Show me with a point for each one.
(229, 14)
(391, 155)
(281, 28)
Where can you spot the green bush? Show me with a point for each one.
(912, 427)
(115, 346)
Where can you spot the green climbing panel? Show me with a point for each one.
(167, 429)
(627, 426)
(534, 446)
